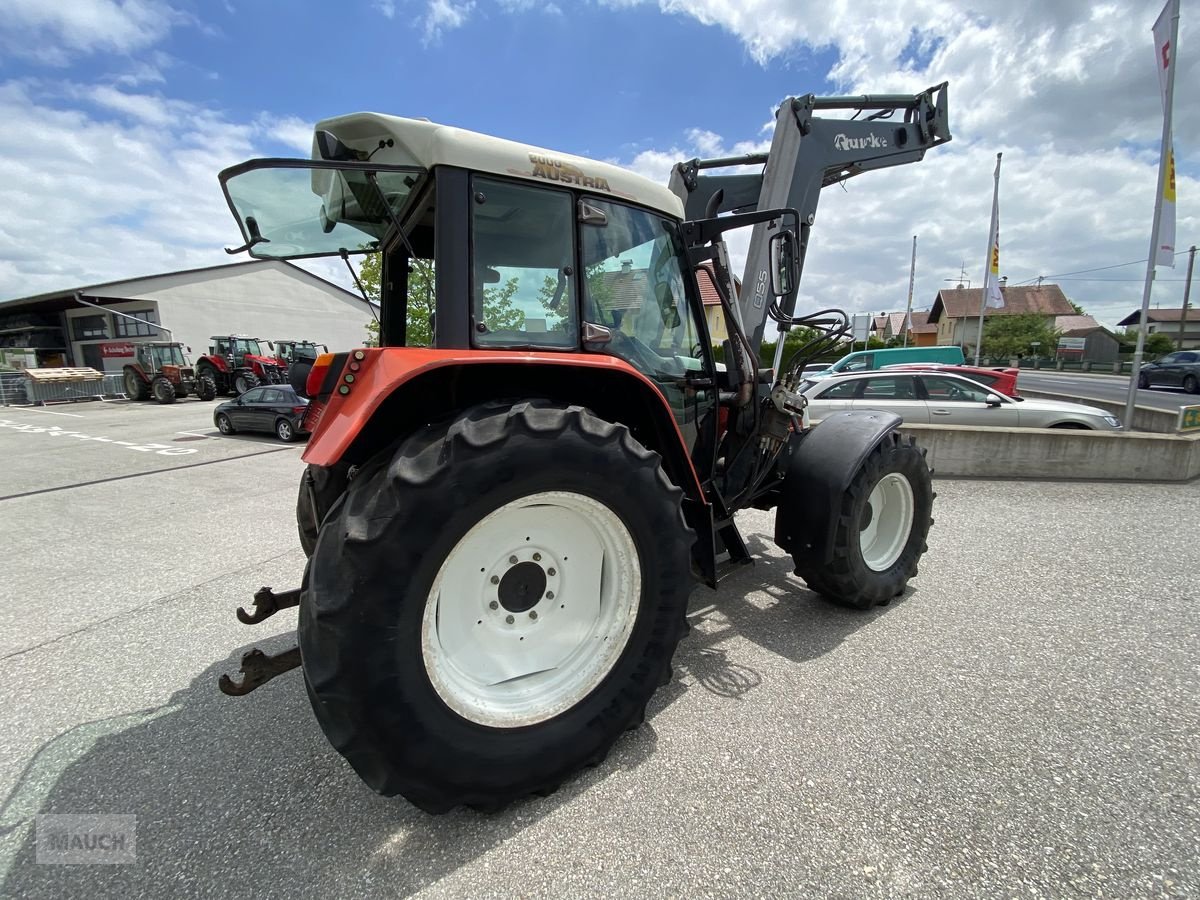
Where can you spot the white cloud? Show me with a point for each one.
(54, 32)
(445, 15)
(386, 8)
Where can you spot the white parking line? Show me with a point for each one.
(52, 413)
(193, 434)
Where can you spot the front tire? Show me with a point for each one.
(525, 634)
(224, 425)
(881, 528)
(206, 388)
(1191, 385)
(163, 390)
(1143, 381)
(243, 382)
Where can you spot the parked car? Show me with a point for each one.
(1178, 369)
(1002, 381)
(866, 360)
(275, 409)
(941, 398)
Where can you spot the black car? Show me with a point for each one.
(1178, 369)
(275, 409)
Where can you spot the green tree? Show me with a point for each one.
(1014, 335)
(420, 299)
(1079, 311)
(1155, 345)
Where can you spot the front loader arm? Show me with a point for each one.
(808, 153)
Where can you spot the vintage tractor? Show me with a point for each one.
(237, 363)
(162, 370)
(504, 528)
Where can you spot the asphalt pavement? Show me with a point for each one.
(1104, 387)
(1022, 723)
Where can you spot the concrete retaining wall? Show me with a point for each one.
(1058, 453)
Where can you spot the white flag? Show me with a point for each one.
(1164, 55)
(993, 297)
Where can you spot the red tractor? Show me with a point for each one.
(504, 528)
(237, 363)
(162, 370)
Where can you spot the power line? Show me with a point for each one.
(1066, 275)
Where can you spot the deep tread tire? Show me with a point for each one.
(206, 388)
(244, 381)
(163, 390)
(376, 559)
(847, 580)
(320, 487)
(135, 387)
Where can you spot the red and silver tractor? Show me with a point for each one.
(504, 528)
(162, 370)
(237, 363)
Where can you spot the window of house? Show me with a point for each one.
(87, 328)
(130, 328)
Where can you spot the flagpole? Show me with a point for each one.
(912, 274)
(1163, 155)
(987, 268)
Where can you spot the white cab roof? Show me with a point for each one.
(427, 144)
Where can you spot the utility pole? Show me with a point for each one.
(1187, 292)
(912, 274)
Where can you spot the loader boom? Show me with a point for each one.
(807, 153)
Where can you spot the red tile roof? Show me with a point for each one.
(960, 303)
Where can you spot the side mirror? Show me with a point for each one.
(269, 344)
(783, 263)
(993, 400)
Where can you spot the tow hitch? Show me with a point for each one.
(257, 667)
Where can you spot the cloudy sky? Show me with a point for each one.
(118, 114)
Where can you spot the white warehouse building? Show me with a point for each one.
(267, 299)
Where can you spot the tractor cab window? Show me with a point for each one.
(243, 346)
(522, 253)
(634, 286)
(165, 356)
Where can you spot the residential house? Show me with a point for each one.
(955, 312)
(714, 313)
(1166, 321)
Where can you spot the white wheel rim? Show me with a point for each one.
(500, 663)
(285, 430)
(889, 522)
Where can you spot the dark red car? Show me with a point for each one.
(1002, 381)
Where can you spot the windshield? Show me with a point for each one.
(242, 346)
(171, 355)
(292, 209)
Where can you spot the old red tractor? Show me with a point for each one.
(162, 370)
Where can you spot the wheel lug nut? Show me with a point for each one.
(509, 619)
(513, 560)
(550, 572)
(549, 595)
(533, 615)
(537, 557)
(493, 605)
(495, 579)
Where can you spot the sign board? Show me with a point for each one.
(1069, 343)
(116, 349)
(861, 327)
(1189, 418)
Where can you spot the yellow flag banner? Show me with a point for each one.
(1164, 54)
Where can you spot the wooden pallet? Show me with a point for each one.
(64, 374)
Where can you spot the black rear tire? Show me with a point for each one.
(320, 487)
(1143, 381)
(1191, 385)
(135, 387)
(285, 431)
(163, 390)
(376, 560)
(848, 580)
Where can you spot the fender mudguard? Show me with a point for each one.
(822, 462)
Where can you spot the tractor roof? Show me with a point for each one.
(418, 142)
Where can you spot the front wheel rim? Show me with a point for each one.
(888, 521)
(284, 430)
(223, 425)
(531, 609)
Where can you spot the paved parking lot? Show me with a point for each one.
(1023, 723)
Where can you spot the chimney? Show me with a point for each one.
(627, 265)
(1003, 282)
